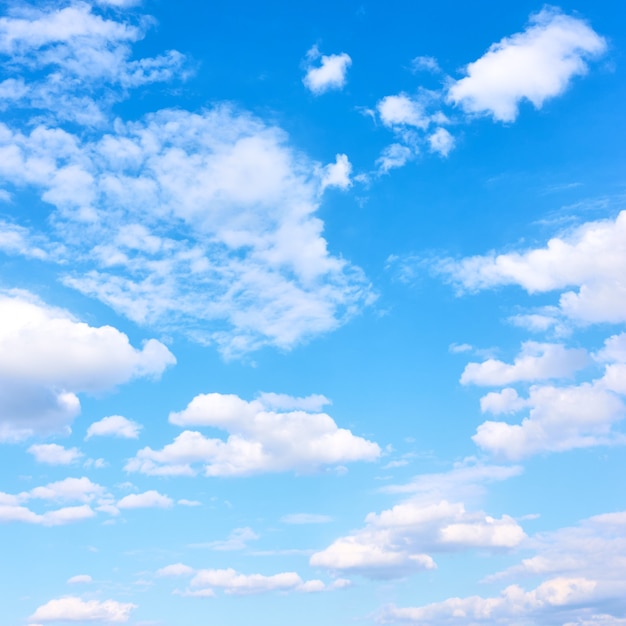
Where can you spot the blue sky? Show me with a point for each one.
(312, 313)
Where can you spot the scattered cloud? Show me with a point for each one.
(441, 141)
(260, 440)
(534, 65)
(73, 609)
(402, 110)
(237, 540)
(47, 357)
(393, 156)
(146, 500)
(54, 454)
(114, 426)
(329, 74)
(80, 579)
(337, 174)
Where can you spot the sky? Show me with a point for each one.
(312, 313)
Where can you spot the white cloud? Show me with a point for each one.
(80, 579)
(559, 419)
(535, 65)
(81, 54)
(425, 63)
(536, 361)
(305, 518)
(590, 257)
(16, 239)
(583, 583)
(146, 500)
(330, 74)
(393, 156)
(396, 541)
(250, 268)
(337, 174)
(68, 489)
(54, 454)
(441, 142)
(260, 440)
(237, 540)
(72, 609)
(176, 569)
(47, 357)
(401, 110)
(57, 517)
(235, 583)
(114, 426)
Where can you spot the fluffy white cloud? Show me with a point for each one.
(47, 357)
(559, 418)
(583, 584)
(260, 440)
(534, 65)
(590, 257)
(68, 490)
(329, 74)
(395, 542)
(337, 174)
(402, 110)
(56, 517)
(536, 361)
(114, 426)
(73, 609)
(147, 500)
(54, 454)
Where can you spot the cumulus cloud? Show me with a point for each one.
(47, 357)
(260, 440)
(73, 609)
(337, 174)
(535, 65)
(396, 541)
(441, 141)
(393, 156)
(583, 583)
(590, 258)
(536, 361)
(559, 419)
(402, 110)
(146, 500)
(54, 454)
(329, 74)
(114, 426)
(80, 579)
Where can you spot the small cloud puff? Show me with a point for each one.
(330, 74)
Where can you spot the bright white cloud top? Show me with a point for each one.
(204, 238)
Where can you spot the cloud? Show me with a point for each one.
(57, 517)
(237, 540)
(441, 142)
(396, 541)
(260, 440)
(80, 579)
(425, 64)
(330, 74)
(590, 257)
(559, 419)
(250, 267)
(534, 65)
(68, 489)
(114, 426)
(54, 454)
(63, 59)
(147, 500)
(73, 609)
(393, 156)
(176, 569)
(536, 361)
(337, 174)
(47, 357)
(401, 110)
(583, 583)
(305, 518)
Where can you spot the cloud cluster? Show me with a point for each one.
(47, 357)
(74, 609)
(399, 541)
(204, 582)
(583, 584)
(262, 438)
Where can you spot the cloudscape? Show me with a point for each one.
(312, 314)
